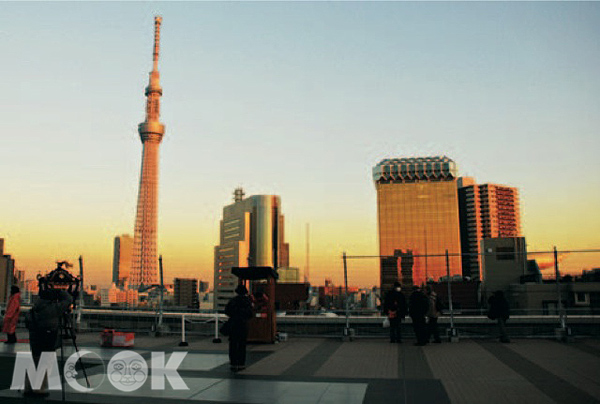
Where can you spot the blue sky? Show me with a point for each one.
(298, 99)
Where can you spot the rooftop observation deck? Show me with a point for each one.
(365, 370)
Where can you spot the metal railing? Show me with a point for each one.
(365, 323)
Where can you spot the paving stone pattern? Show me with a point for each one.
(369, 371)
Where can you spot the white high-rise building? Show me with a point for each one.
(251, 235)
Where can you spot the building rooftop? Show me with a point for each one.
(415, 169)
(327, 370)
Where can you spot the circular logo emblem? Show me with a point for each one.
(127, 371)
(75, 377)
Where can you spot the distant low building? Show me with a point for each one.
(504, 262)
(203, 286)
(186, 293)
(288, 275)
(7, 268)
(291, 296)
(466, 295)
(534, 298)
(206, 300)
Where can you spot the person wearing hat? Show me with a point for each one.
(11, 317)
(239, 311)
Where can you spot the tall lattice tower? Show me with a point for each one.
(143, 270)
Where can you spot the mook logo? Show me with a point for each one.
(127, 371)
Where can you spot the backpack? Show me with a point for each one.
(439, 306)
(43, 317)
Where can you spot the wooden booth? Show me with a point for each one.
(260, 282)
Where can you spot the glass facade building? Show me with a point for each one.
(417, 208)
(251, 234)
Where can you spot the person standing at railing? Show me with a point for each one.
(418, 306)
(394, 307)
(499, 310)
(11, 317)
(433, 313)
(239, 311)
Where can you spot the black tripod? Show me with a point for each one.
(55, 283)
(65, 329)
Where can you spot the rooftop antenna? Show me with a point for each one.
(238, 194)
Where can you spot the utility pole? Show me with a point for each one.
(160, 302)
(453, 331)
(563, 330)
(80, 298)
(348, 333)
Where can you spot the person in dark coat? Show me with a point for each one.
(499, 310)
(394, 307)
(432, 315)
(418, 306)
(239, 311)
(43, 322)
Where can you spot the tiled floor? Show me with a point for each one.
(370, 371)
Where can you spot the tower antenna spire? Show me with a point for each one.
(157, 22)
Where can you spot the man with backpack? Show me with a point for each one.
(43, 322)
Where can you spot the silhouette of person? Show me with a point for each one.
(499, 310)
(11, 317)
(394, 307)
(433, 313)
(418, 306)
(239, 311)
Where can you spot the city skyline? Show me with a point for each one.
(298, 100)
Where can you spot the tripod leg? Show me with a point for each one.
(72, 335)
(62, 364)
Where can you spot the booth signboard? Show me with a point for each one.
(262, 327)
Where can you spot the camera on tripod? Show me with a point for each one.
(51, 316)
(57, 280)
(53, 285)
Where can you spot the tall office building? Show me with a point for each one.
(144, 263)
(251, 235)
(486, 211)
(122, 253)
(417, 209)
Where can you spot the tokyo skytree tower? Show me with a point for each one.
(144, 260)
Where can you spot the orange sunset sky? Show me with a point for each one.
(297, 99)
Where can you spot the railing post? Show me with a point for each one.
(183, 341)
(563, 332)
(216, 339)
(453, 331)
